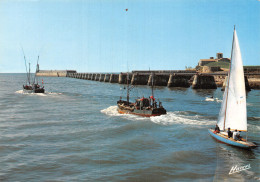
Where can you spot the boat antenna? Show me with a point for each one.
(227, 87)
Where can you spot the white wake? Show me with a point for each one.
(168, 119)
(209, 99)
(38, 94)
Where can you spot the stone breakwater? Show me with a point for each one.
(172, 79)
(54, 73)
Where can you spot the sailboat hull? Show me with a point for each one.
(230, 141)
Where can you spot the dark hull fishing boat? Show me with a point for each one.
(125, 107)
(146, 107)
(34, 87)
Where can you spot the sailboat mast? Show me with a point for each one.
(227, 87)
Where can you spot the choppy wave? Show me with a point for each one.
(112, 111)
(213, 99)
(170, 118)
(253, 127)
(38, 94)
(177, 118)
(209, 99)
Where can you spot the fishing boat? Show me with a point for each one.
(145, 107)
(233, 112)
(32, 86)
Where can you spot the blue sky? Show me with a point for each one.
(100, 36)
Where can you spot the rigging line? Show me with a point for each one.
(25, 64)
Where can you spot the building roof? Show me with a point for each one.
(207, 59)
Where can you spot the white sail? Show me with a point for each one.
(221, 116)
(233, 113)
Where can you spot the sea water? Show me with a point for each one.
(73, 132)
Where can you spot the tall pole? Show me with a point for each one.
(127, 82)
(29, 74)
(25, 65)
(152, 89)
(36, 71)
(127, 76)
(227, 87)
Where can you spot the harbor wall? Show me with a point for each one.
(179, 81)
(139, 79)
(54, 73)
(204, 82)
(169, 79)
(101, 78)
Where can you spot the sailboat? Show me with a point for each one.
(145, 107)
(32, 87)
(233, 112)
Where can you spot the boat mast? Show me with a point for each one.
(36, 71)
(127, 76)
(26, 66)
(29, 73)
(228, 81)
(152, 89)
(127, 82)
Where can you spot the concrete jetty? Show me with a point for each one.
(139, 79)
(89, 76)
(107, 78)
(54, 73)
(114, 78)
(97, 77)
(204, 82)
(179, 81)
(158, 80)
(123, 78)
(92, 76)
(169, 78)
(247, 86)
(101, 78)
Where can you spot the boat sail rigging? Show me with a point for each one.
(145, 107)
(233, 112)
(32, 86)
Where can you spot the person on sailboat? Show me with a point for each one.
(230, 133)
(236, 135)
(217, 130)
